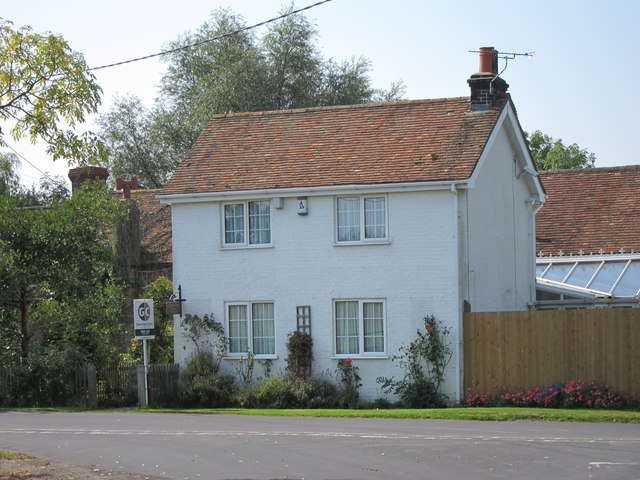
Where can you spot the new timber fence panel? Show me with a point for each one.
(529, 349)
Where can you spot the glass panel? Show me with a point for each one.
(373, 327)
(558, 271)
(259, 223)
(238, 329)
(607, 276)
(264, 337)
(630, 283)
(582, 274)
(374, 218)
(347, 328)
(540, 268)
(348, 219)
(234, 223)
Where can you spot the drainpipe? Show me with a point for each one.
(456, 294)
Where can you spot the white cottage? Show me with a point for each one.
(359, 219)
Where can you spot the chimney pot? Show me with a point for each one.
(488, 60)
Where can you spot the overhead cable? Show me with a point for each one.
(213, 39)
(23, 157)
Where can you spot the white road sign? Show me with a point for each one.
(143, 325)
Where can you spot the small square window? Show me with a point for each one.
(359, 327)
(247, 223)
(251, 328)
(361, 219)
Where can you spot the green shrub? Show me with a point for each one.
(350, 382)
(424, 361)
(45, 380)
(289, 392)
(202, 385)
(300, 354)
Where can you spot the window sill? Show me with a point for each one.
(245, 247)
(362, 357)
(239, 356)
(362, 243)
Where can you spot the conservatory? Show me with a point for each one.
(588, 281)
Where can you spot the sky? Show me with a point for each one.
(581, 85)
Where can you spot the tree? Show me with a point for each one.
(136, 149)
(46, 87)
(552, 154)
(9, 179)
(238, 72)
(56, 280)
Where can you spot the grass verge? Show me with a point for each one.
(495, 414)
(4, 455)
(484, 414)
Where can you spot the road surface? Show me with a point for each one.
(192, 446)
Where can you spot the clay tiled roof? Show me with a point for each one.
(155, 226)
(590, 209)
(409, 141)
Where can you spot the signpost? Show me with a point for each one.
(143, 327)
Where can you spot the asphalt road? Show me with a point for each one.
(183, 446)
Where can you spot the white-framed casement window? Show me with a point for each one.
(247, 223)
(251, 328)
(359, 327)
(361, 219)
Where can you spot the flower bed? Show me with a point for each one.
(573, 394)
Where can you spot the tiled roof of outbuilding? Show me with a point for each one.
(375, 143)
(590, 209)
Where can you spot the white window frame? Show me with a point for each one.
(249, 327)
(362, 221)
(246, 231)
(361, 327)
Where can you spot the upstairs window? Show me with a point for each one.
(361, 219)
(242, 229)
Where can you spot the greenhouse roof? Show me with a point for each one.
(615, 275)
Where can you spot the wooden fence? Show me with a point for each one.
(528, 349)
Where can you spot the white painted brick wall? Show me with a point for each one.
(413, 273)
(500, 241)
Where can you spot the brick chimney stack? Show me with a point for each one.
(83, 174)
(485, 85)
(126, 186)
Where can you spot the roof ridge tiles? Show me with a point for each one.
(620, 168)
(341, 107)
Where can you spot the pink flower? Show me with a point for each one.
(428, 327)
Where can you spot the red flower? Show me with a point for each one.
(348, 360)
(428, 327)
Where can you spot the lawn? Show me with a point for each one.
(485, 414)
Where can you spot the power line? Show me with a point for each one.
(202, 42)
(23, 157)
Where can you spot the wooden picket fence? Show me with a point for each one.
(163, 381)
(535, 348)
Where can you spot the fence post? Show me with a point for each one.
(142, 400)
(92, 391)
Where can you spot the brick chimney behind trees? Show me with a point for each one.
(485, 85)
(80, 175)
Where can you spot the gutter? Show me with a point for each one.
(323, 190)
